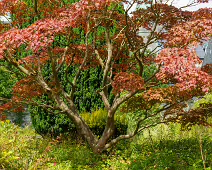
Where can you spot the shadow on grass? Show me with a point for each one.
(169, 154)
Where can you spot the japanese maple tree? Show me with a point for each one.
(124, 55)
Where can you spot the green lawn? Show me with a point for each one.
(164, 147)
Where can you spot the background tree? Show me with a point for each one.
(123, 56)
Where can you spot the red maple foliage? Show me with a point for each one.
(141, 77)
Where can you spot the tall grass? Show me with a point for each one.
(170, 147)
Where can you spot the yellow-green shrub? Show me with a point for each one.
(97, 121)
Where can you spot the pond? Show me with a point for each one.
(21, 119)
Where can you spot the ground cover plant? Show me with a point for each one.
(98, 33)
(163, 147)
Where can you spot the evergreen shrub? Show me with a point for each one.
(53, 125)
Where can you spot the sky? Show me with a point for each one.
(182, 3)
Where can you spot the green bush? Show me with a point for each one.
(47, 124)
(97, 122)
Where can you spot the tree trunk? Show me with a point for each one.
(97, 146)
(83, 129)
(108, 132)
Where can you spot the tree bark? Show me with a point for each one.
(108, 132)
(84, 130)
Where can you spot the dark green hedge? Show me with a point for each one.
(53, 125)
(86, 99)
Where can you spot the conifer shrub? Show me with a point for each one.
(53, 125)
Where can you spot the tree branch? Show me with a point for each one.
(84, 60)
(63, 59)
(120, 100)
(10, 59)
(121, 137)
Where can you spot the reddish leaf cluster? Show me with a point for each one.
(23, 92)
(20, 11)
(127, 82)
(5, 107)
(188, 118)
(203, 1)
(33, 60)
(190, 34)
(164, 15)
(170, 95)
(26, 89)
(203, 13)
(179, 67)
(207, 68)
(40, 35)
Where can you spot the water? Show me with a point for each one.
(21, 119)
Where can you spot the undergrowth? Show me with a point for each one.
(162, 147)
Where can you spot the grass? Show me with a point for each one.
(163, 147)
